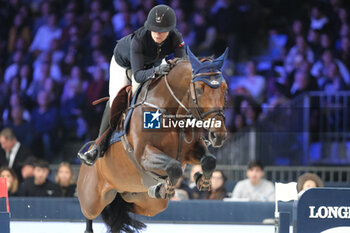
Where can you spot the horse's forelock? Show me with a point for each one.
(204, 59)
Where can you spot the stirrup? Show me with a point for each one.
(84, 149)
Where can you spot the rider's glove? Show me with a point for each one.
(162, 69)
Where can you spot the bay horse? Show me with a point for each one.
(138, 173)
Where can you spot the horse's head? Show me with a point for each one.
(207, 91)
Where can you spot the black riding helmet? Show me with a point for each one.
(161, 18)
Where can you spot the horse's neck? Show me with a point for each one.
(179, 80)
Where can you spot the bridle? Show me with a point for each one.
(195, 112)
(193, 94)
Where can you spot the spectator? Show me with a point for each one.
(344, 52)
(13, 152)
(141, 17)
(15, 100)
(11, 179)
(40, 185)
(297, 29)
(66, 23)
(66, 180)
(319, 69)
(239, 122)
(255, 188)
(99, 62)
(72, 40)
(344, 31)
(14, 84)
(19, 30)
(218, 190)
(122, 17)
(52, 87)
(326, 42)
(45, 10)
(57, 53)
(12, 70)
(97, 87)
(187, 33)
(250, 111)
(27, 167)
(313, 39)
(45, 34)
(37, 85)
(302, 83)
(308, 180)
(252, 85)
(318, 19)
(46, 58)
(45, 123)
(26, 77)
(70, 60)
(95, 10)
(333, 82)
(297, 53)
(22, 128)
(71, 112)
(76, 76)
(204, 36)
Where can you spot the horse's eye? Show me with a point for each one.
(199, 91)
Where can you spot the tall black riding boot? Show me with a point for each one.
(101, 144)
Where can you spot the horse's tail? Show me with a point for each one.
(116, 216)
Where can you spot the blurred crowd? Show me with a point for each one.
(307, 49)
(55, 57)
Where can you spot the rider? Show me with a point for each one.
(142, 52)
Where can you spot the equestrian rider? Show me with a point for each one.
(142, 52)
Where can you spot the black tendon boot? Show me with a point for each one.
(101, 144)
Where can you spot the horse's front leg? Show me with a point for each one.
(208, 164)
(156, 161)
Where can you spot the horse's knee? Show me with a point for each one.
(174, 169)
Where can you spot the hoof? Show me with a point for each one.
(202, 183)
(161, 191)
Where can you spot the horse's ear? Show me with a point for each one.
(193, 59)
(220, 60)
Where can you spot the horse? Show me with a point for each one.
(137, 174)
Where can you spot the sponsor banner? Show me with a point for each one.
(323, 209)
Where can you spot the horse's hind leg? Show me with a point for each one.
(88, 226)
(156, 161)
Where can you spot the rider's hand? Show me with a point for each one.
(162, 69)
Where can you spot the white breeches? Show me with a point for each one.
(118, 79)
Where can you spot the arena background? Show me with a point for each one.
(287, 70)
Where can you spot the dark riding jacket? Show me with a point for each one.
(139, 52)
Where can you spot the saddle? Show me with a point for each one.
(120, 104)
